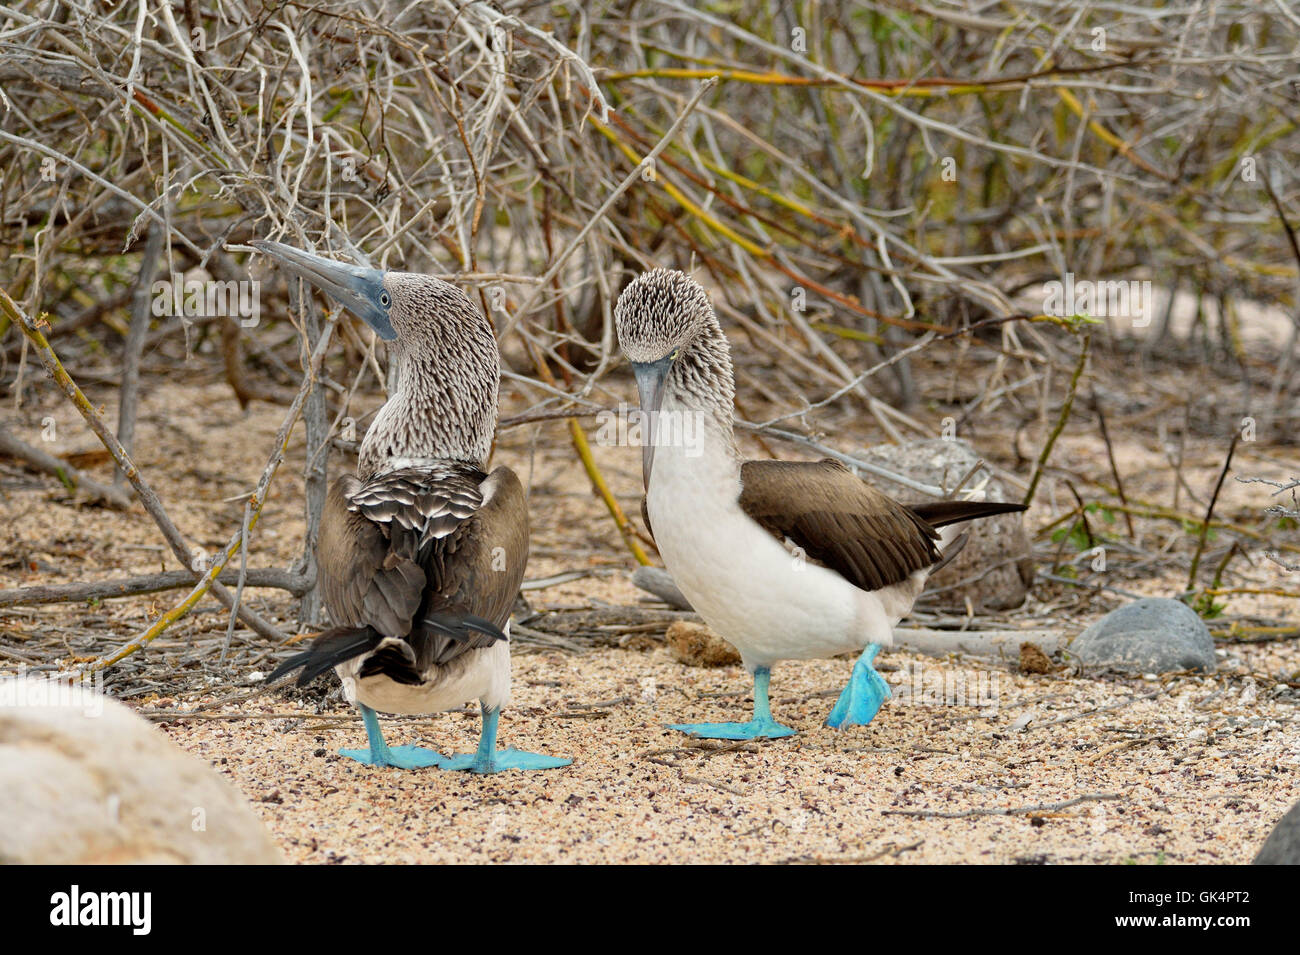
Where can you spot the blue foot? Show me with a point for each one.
(381, 754)
(501, 760)
(761, 726)
(489, 759)
(754, 729)
(863, 696)
(400, 757)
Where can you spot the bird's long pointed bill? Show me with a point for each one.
(650, 380)
(355, 287)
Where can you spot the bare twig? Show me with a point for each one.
(1004, 811)
(143, 584)
(70, 476)
(1209, 512)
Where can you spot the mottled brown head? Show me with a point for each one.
(444, 404)
(660, 312)
(667, 330)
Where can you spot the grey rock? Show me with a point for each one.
(994, 569)
(660, 583)
(1151, 635)
(1282, 847)
(84, 780)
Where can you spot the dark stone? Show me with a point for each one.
(1282, 847)
(1151, 635)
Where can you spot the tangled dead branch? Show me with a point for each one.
(859, 185)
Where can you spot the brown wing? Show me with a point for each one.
(480, 567)
(839, 521)
(363, 581)
(422, 552)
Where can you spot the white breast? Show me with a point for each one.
(767, 602)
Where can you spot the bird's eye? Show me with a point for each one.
(384, 299)
(673, 356)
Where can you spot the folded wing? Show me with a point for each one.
(432, 557)
(838, 521)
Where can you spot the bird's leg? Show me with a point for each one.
(762, 725)
(863, 695)
(489, 759)
(381, 754)
(762, 704)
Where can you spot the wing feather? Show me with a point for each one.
(839, 521)
(431, 556)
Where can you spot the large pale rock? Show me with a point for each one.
(85, 780)
(994, 570)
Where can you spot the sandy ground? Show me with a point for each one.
(1188, 771)
(1182, 769)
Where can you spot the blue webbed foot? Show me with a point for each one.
(381, 754)
(501, 760)
(760, 727)
(754, 729)
(399, 757)
(864, 694)
(489, 759)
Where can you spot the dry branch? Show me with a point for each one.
(143, 584)
(146, 494)
(68, 475)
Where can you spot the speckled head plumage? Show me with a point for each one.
(448, 368)
(679, 355)
(666, 323)
(444, 405)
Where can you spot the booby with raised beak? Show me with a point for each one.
(422, 552)
(785, 560)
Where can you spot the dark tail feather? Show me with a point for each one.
(444, 636)
(951, 551)
(448, 635)
(464, 625)
(942, 513)
(327, 651)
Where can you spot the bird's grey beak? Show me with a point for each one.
(650, 380)
(356, 288)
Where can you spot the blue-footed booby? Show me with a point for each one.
(785, 560)
(422, 552)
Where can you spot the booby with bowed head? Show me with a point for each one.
(785, 560)
(422, 552)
